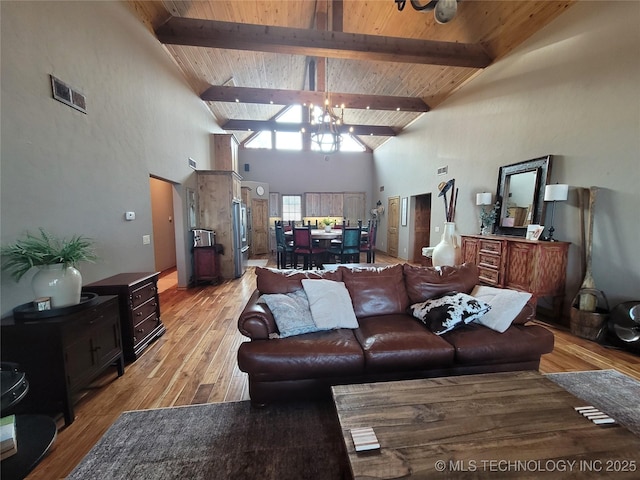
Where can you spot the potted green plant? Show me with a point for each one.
(55, 258)
(488, 218)
(327, 222)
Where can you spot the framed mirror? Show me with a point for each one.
(521, 195)
(191, 208)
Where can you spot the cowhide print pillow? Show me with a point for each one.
(449, 311)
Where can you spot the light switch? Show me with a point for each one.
(146, 239)
(130, 216)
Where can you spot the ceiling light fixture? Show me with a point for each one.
(443, 10)
(326, 126)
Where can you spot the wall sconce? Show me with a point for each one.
(555, 193)
(379, 207)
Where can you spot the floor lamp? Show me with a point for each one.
(555, 193)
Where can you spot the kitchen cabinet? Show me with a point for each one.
(312, 206)
(217, 191)
(63, 354)
(354, 207)
(225, 150)
(331, 205)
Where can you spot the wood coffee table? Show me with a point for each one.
(502, 425)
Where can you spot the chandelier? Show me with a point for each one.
(326, 127)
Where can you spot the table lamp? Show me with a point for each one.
(555, 193)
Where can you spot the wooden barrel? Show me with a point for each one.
(590, 325)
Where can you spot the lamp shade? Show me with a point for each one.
(556, 193)
(483, 198)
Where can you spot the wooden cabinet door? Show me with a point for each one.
(225, 152)
(259, 226)
(312, 206)
(470, 250)
(354, 207)
(393, 223)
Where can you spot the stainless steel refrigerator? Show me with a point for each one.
(240, 246)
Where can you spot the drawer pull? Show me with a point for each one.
(138, 297)
(140, 330)
(138, 314)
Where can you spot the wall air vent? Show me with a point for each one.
(192, 163)
(443, 170)
(67, 95)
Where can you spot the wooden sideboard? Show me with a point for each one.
(62, 355)
(520, 264)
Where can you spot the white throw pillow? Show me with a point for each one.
(330, 304)
(505, 306)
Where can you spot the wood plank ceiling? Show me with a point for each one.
(373, 52)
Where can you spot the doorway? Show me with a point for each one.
(421, 226)
(164, 232)
(393, 225)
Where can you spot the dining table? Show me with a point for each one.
(324, 237)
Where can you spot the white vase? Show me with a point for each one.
(62, 284)
(447, 252)
(327, 228)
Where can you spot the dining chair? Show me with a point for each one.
(349, 249)
(369, 247)
(284, 248)
(303, 245)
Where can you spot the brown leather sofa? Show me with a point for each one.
(389, 343)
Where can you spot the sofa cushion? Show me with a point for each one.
(322, 354)
(330, 304)
(478, 345)
(423, 283)
(398, 342)
(447, 312)
(270, 280)
(376, 290)
(505, 306)
(291, 313)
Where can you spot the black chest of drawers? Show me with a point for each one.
(139, 308)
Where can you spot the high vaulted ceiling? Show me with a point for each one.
(373, 52)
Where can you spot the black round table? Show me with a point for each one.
(34, 436)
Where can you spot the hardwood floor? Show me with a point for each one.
(195, 362)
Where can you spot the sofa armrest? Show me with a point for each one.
(527, 313)
(256, 320)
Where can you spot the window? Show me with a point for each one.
(293, 140)
(288, 141)
(291, 208)
(261, 140)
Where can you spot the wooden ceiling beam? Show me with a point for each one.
(297, 41)
(266, 96)
(272, 125)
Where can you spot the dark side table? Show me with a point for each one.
(35, 435)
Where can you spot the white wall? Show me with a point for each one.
(289, 172)
(572, 90)
(73, 173)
